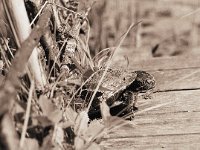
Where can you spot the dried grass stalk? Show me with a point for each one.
(22, 26)
(8, 91)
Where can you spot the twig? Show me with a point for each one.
(69, 10)
(109, 63)
(11, 23)
(22, 26)
(39, 12)
(27, 115)
(8, 91)
(22, 55)
(55, 84)
(80, 88)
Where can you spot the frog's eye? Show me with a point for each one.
(149, 81)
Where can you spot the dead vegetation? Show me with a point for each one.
(50, 52)
(46, 63)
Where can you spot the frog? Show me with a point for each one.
(120, 89)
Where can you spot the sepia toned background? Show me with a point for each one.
(49, 103)
(173, 24)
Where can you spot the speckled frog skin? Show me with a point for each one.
(120, 86)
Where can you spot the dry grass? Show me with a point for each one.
(56, 117)
(50, 111)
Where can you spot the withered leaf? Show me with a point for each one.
(50, 110)
(105, 110)
(81, 123)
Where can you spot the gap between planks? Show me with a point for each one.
(167, 63)
(182, 116)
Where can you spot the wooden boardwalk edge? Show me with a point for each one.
(166, 63)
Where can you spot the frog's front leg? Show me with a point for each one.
(133, 105)
(135, 99)
(148, 94)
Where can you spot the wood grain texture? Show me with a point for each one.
(181, 79)
(166, 63)
(175, 125)
(171, 73)
(157, 63)
(181, 116)
(190, 141)
(181, 101)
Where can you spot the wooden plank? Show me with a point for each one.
(160, 63)
(181, 101)
(190, 141)
(182, 116)
(164, 128)
(172, 126)
(177, 79)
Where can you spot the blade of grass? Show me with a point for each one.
(139, 112)
(11, 23)
(55, 84)
(68, 9)
(87, 53)
(80, 89)
(8, 92)
(27, 115)
(39, 12)
(21, 26)
(110, 61)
